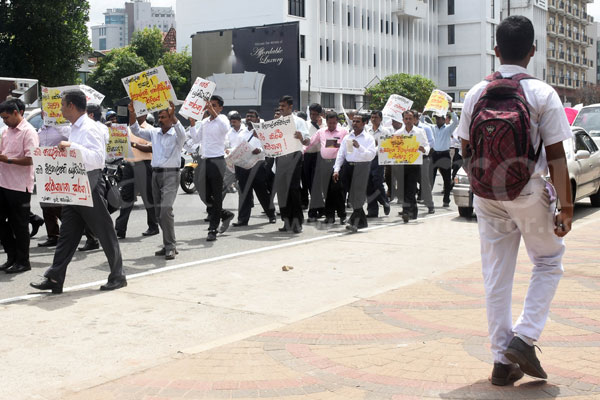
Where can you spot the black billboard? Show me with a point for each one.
(252, 67)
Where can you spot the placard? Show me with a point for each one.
(196, 100)
(150, 90)
(118, 141)
(51, 102)
(277, 136)
(438, 102)
(92, 95)
(241, 156)
(395, 106)
(61, 177)
(399, 150)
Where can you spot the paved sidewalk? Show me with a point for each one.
(425, 340)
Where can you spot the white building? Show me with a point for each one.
(120, 23)
(346, 44)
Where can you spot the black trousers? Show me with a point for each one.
(355, 178)
(375, 191)
(411, 177)
(210, 188)
(137, 177)
(51, 215)
(287, 186)
(457, 163)
(14, 224)
(254, 179)
(309, 166)
(441, 161)
(74, 220)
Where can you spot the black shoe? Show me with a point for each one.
(311, 219)
(352, 228)
(446, 205)
(163, 252)
(225, 222)
(170, 254)
(405, 217)
(272, 219)
(372, 216)
(521, 353)
(47, 284)
(17, 268)
(120, 235)
(236, 224)
(283, 228)
(6, 265)
(51, 241)
(212, 236)
(342, 220)
(90, 246)
(387, 208)
(150, 232)
(431, 210)
(504, 374)
(35, 225)
(116, 284)
(207, 219)
(297, 229)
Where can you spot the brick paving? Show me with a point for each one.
(425, 340)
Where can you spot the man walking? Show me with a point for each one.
(503, 221)
(310, 162)
(86, 137)
(376, 194)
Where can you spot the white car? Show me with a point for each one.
(33, 116)
(589, 119)
(583, 162)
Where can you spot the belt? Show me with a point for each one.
(214, 158)
(164, 169)
(353, 163)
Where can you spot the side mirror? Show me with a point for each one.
(582, 155)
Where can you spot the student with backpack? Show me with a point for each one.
(512, 128)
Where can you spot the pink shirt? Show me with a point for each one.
(18, 143)
(330, 141)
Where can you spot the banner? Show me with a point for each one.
(395, 106)
(61, 177)
(118, 142)
(241, 156)
(277, 136)
(51, 102)
(149, 90)
(438, 102)
(196, 100)
(399, 150)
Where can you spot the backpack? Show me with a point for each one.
(503, 157)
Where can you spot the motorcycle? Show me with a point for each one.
(113, 174)
(192, 158)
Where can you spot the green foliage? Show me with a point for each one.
(414, 87)
(118, 63)
(179, 69)
(148, 44)
(43, 40)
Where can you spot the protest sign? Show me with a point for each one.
(51, 102)
(61, 177)
(277, 136)
(92, 96)
(118, 142)
(241, 156)
(438, 102)
(395, 106)
(149, 90)
(194, 104)
(399, 150)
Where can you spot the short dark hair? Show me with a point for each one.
(331, 114)
(514, 37)
(315, 107)
(415, 113)
(364, 117)
(20, 105)
(235, 116)
(301, 114)
(218, 99)
(287, 99)
(9, 106)
(95, 110)
(252, 111)
(408, 112)
(378, 113)
(75, 97)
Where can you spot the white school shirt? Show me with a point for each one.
(366, 150)
(211, 135)
(547, 115)
(421, 136)
(87, 137)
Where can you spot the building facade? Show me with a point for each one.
(120, 23)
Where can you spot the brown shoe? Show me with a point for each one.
(504, 374)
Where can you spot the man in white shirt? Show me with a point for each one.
(311, 161)
(530, 215)
(86, 137)
(376, 194)
(355, 155)
(211, 132)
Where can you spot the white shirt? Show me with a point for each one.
(419, 133)
(301, 127)
(211, 134)
(87, 137)
(366, 150)
(104, 130)
(547, 115)
(381, 130)
(166, 147)
(311, 132)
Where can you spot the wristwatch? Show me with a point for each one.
(8, 161)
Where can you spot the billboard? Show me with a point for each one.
(252, 67)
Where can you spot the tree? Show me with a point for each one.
(118, 63)
(43, 40)
(178, 67)
(413, 87)
(148, 44)
(589, 94)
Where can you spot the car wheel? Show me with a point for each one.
(466, 212)
(595, 199)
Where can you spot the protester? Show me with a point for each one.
(426, 170)
(376, 194)
(309, 161)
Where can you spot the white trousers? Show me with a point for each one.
(501, 225)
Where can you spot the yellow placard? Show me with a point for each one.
(149, 90)
(399, 149)
(438, 102)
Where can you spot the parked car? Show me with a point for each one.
(583, 162)
(589, 119)
(34, 116)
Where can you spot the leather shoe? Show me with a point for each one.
(90, 246)
(116, 284)
(120, 235)
(297, 229)
(272, 219)
(504, 374)
(212, 236)
(51, 241)
(150, 232)
(17, 268)
(163, 252)
(283, 229)
(387, 208)
(342, 220)
(236, 224)
(170, 254)
(372, 216)
(352, 228)
(431, 210)
(521, 353)
(36, 223)
(47, 284)
(225, 222)
(6, 265)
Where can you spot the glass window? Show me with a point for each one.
(302, 46)
(451, 34)
(451, 76)
(328, 100)
(450, 7)
(296, 7)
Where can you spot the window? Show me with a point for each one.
(493, 44)
(326, 49)
(368, 22)
(381, 25)
(296, 7)
(392, 32)
(302, 46)
(493, 8)
(451, 34)
(349, 53)
(349, 17)
(375, 58)
(321, 50)
(102, 44)
(493, 63)
(387, 27)
(349, 101)
(328, 100)
(451, 76)
(333, 12)
(450, 7)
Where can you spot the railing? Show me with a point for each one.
(561, 30)
(561, 55)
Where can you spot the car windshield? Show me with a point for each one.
(589, 119)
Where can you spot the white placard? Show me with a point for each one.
(241, 156)
(196, 100)
(395, 106)
(278, 136)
